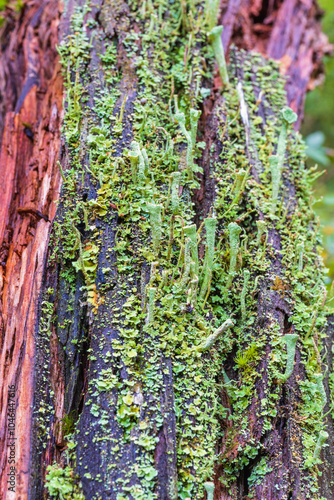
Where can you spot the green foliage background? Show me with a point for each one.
(318, 129)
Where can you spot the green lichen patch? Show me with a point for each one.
(191, 329)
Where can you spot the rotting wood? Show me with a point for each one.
(35, 152)
(31, 108)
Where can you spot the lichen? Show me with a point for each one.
(234, 232)
(217, 45)
(291, 340)
(128, 157)
(323, 436)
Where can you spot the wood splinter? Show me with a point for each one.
(34, 212)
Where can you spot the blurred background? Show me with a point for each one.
(318, 131)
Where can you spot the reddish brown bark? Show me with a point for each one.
(31, 91)
(289, 31)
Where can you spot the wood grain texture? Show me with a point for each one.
(31, 91)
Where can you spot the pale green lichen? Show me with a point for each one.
(277, 161)
(217, 45)
(156, 223)
(134, 155)
(164, 278)
(290, 340)
(209, 488)
(323, 436)
(192, 291)
(288, 118)
(240, 182)
(212, 339)
(168, 301)
(234, 232)
(212, 8)
(181, 120)
(210, 226)
(191, 232)
(187, 261)
(139, 162)
(194, 115)
(261, 228)
(176, 176)
(171, 239)
(275, 181)
(320, 387)
(243, 294)
(300, 254)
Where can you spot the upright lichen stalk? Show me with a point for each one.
(209, 488)
(323, 436)
(300, 253)
(212, 8)
(189, 136)
(243, 294)
(275, 181)
(239, 185)
(176, 176)
(212, 339)
(156, 222)
(291, 340)
(234, 232)
(187, 262)
(191, 232)
(288, 118)
(210, 226)
(276, 162)
(217, 45)
(134, 154)
(320, 387)
(261, 228)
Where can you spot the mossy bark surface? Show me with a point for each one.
(127, 403)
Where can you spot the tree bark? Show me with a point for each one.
(105, 336)
(31, 108)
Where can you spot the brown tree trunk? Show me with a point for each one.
(57, 342)
(30, 120)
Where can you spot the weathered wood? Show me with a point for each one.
(58, 369)
(31, 105)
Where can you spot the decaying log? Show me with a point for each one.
(50, 332)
